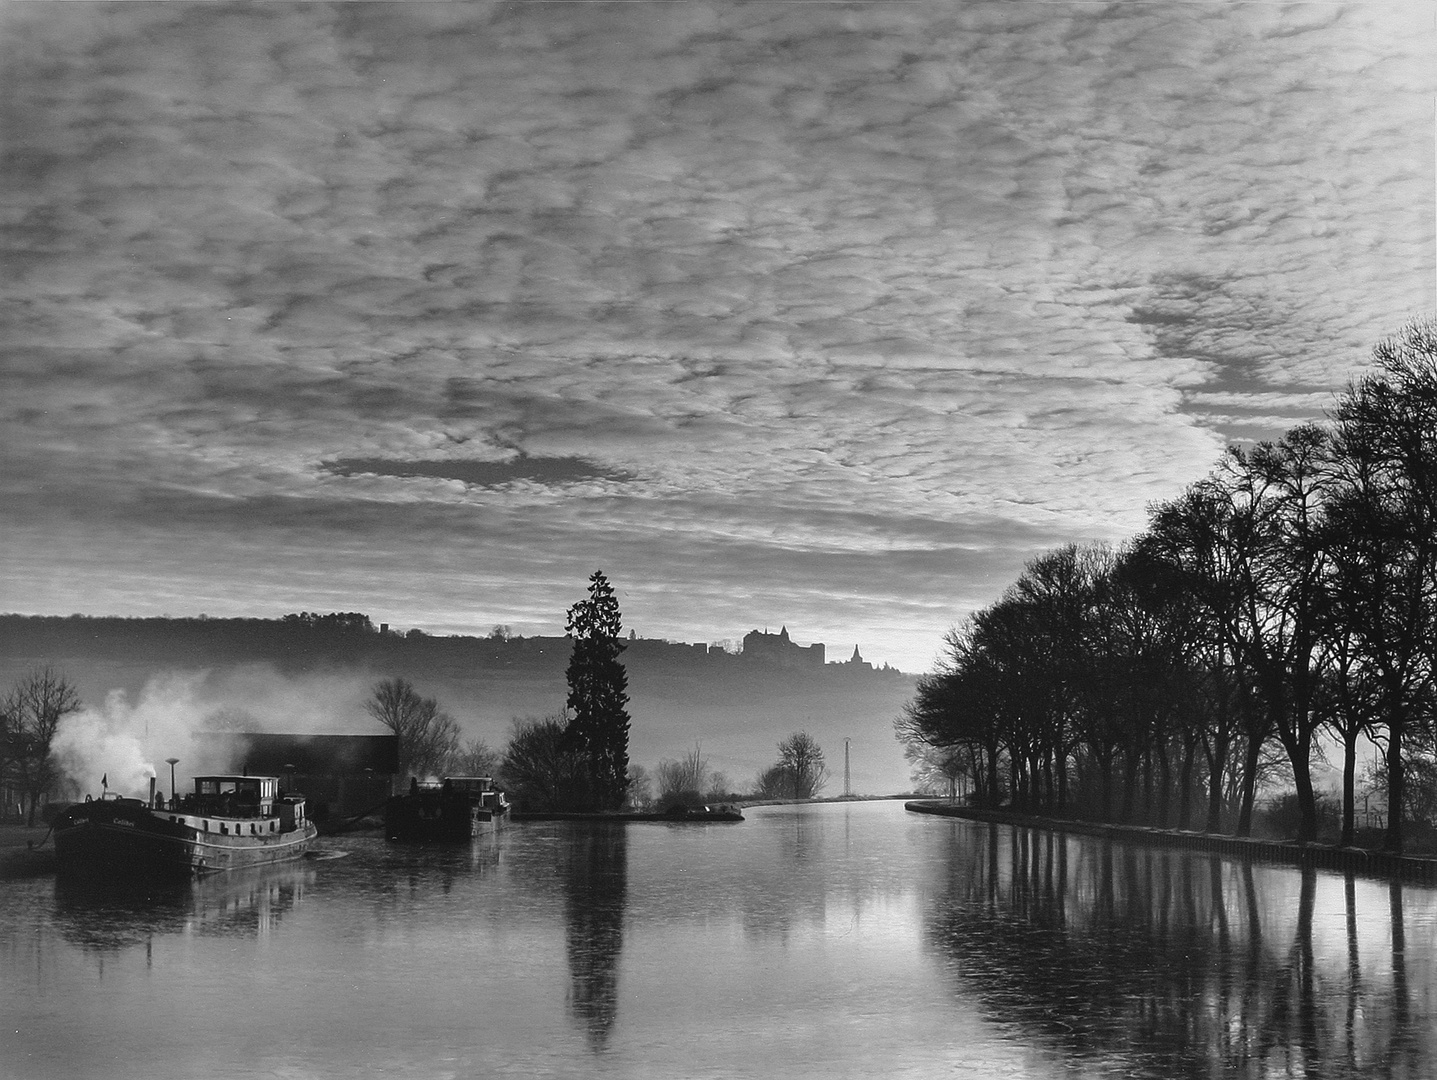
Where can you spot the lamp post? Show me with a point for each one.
(172, 762)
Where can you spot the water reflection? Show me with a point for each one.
(111, 916)
(400, 879)
(594, 867)
(788, 881)
(1172, 967)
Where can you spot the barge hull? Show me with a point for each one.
(127, 838)
(98, 848)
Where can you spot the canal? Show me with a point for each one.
(837, 940)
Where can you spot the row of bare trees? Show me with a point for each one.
(1286, 601)
(541, 771)
(799, 773)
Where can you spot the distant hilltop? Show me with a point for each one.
(307, 639)
(780, 649)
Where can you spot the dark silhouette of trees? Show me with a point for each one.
(475, 757)
(598, 695)
(1289, 594)
(799, 773)
(1194, 543)
(802, 761)
(30, 715)
(540, 770)
(683, 782)
(938, 769)
(1282, 574)
(428, 736)
(1384, 543)
(641, 787)
(773, 783)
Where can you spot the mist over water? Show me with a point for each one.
(838, 940)
(139, 711)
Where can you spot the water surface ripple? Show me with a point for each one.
(839, 940)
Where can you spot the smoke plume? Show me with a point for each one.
(123, 743)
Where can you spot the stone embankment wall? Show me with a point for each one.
(1279, 852)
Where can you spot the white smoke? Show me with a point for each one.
(96, 744)
(125, 743)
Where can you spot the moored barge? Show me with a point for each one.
(456, 809)
(227, 823)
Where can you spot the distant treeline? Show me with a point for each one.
(294, 643)
(1284, 604)
(304, 641)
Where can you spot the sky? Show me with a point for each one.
(825, 316)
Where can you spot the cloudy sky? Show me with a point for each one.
(826, 315)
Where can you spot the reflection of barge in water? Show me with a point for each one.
(457, 808)
(115, 913)
(228, 822)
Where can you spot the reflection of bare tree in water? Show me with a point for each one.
(595, 874)
(1156, 965)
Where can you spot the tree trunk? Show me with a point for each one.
(1216, 756)
(1396, 781)
(1349, 785)
(1300, 758)
(994, 784)
(1249, 786)
(1062, 782)
(1130, 784)
(1105, 773)
(1185, 782)
(1165, 785)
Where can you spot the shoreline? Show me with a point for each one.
(1410, 868)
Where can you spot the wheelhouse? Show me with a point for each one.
(235, 796)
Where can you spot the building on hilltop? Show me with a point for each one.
(780, 649)
(855, 662)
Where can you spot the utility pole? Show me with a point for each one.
(847, 790)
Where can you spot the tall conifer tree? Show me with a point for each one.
(598, 695)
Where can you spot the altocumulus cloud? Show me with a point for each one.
(543, 470)
(822, 314)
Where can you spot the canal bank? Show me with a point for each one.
(1275, 852)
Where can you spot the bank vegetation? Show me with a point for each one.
(1280, 609)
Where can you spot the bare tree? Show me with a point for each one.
(1384, 539)
(475, 758)
(717, 787)
(684, 780)
(540, 769)
(428, 736)
(937, 769)
(640, 786)
(802, 757)
(775, 782)
(32, 713)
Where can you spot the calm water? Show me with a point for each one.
(826, 941)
